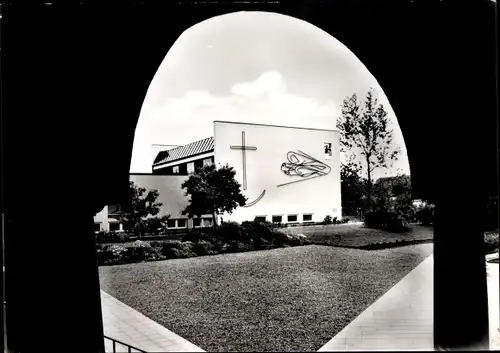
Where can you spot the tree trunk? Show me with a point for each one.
(215, 220)
(369, 184)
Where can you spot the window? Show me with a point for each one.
(196, 222)
(260, 219)
(97, 227)
(175, 169)
(114, 227)
(292, 218)
(307, 217)
(171, 223)
(277, 219)
(207, 161)
(328, 150)
(190, 167)
(207, 222)
(181, 223)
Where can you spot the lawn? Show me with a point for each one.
(358, 236)
(288, 299)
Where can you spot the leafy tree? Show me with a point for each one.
(214, 191)
(366, 128)
(392, 196)
(352, 188)
(395, 185)
(402, 198)
(141, 214)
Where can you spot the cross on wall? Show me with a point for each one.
(243, 149)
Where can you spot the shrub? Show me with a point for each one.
(110, 254)
(261, 234)
(140, 254)
(232, 231)
(199, 236)
(386, 220)
(234, 246)
(111, 237)
(156, 244)
(490, 241)
(327, 220)
(425, 215)
(141, 244)
(186, 249)
(229, 238)
(298, 239)
(281, 239)
(167, 248)
(204, 247)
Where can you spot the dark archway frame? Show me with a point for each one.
(74, 76)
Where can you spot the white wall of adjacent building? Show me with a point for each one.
(101, 220)
(313, 198)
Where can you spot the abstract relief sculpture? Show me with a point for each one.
(303, 165)
(250, 204)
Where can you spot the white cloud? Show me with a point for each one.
(264, 100)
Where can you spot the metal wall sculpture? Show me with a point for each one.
(250, 204)
(299, 164)
(243, 149)
(303, 165)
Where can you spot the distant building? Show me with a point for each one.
(185, 159)
(419, 203)
(107, 220)
(172, 198)
(157, 148)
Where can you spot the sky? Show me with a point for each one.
(283, 71)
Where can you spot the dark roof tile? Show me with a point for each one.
(186, 151)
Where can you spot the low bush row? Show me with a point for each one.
(228, 238)
(388, 220)
(123, 237)
(334, 220)
(491, 241)
(425, 215)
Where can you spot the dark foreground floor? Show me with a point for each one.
(292, 299)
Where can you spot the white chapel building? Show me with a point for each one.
(288, 174)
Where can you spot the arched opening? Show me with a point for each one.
(293, 80)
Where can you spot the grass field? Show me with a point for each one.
(290, 299)
(357, 235)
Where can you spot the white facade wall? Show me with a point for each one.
(319, 196)
(102, 219)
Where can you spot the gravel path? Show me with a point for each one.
(291, 299)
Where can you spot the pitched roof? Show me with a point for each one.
(182, 152)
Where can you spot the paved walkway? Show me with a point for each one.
(402, 319)
(493, 273)
(125, 324)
